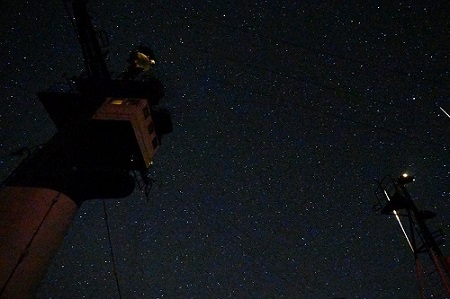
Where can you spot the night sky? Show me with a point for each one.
(284, 115)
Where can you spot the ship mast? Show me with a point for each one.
(394, 199)
(108, 133)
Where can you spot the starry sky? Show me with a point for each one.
(284, 115)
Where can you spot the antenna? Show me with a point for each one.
(394, 199)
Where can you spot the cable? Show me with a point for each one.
(111, 249)
(27, 247)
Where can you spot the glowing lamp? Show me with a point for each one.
(405, 179)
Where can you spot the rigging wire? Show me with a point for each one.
(111, 249)
(104, 205)
(27, 247)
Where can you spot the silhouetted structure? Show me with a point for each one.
(108, 130)
(394, 199)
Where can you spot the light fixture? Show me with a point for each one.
(405, 179)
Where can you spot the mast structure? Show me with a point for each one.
(108, 133)
(394, 199)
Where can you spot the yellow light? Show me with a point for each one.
(405, 175)
(116, 102)
(143, 61)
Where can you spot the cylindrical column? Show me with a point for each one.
(33, 222)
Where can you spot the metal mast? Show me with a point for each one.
(91, 40)
(394, 199)
(108, 130)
